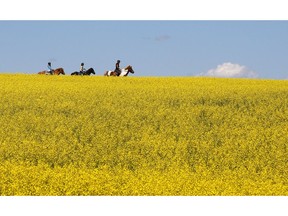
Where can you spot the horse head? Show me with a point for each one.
(92, 70)
(129, 69)
(59, 71)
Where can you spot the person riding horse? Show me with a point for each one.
(82, 69)
(117, 68)
(84, 72)
(124, 72)
(50, 70)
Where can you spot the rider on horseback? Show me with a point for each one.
(50, 70)
(117, 69)
(82, 69)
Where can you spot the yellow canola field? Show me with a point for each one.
(66, 135)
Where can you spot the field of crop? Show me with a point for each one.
(64, 135)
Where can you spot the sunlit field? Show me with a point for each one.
(65, 135)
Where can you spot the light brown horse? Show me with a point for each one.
(124, 72)
(57, 71)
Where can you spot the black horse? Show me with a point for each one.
(86, 73)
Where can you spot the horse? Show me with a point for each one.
(124, 72)
(57, 71)
(86, 73)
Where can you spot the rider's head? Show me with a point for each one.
(118, 61)
(49, 63)
(82, 64)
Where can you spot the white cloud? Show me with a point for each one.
(229, 69)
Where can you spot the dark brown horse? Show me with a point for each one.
(57, 71)
(124, 72)
(86, 73)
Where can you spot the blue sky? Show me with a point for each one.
(153, 48)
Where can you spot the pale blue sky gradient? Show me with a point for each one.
(153, 48)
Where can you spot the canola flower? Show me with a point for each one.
(64, 135)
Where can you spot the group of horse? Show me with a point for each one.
(124, 72)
